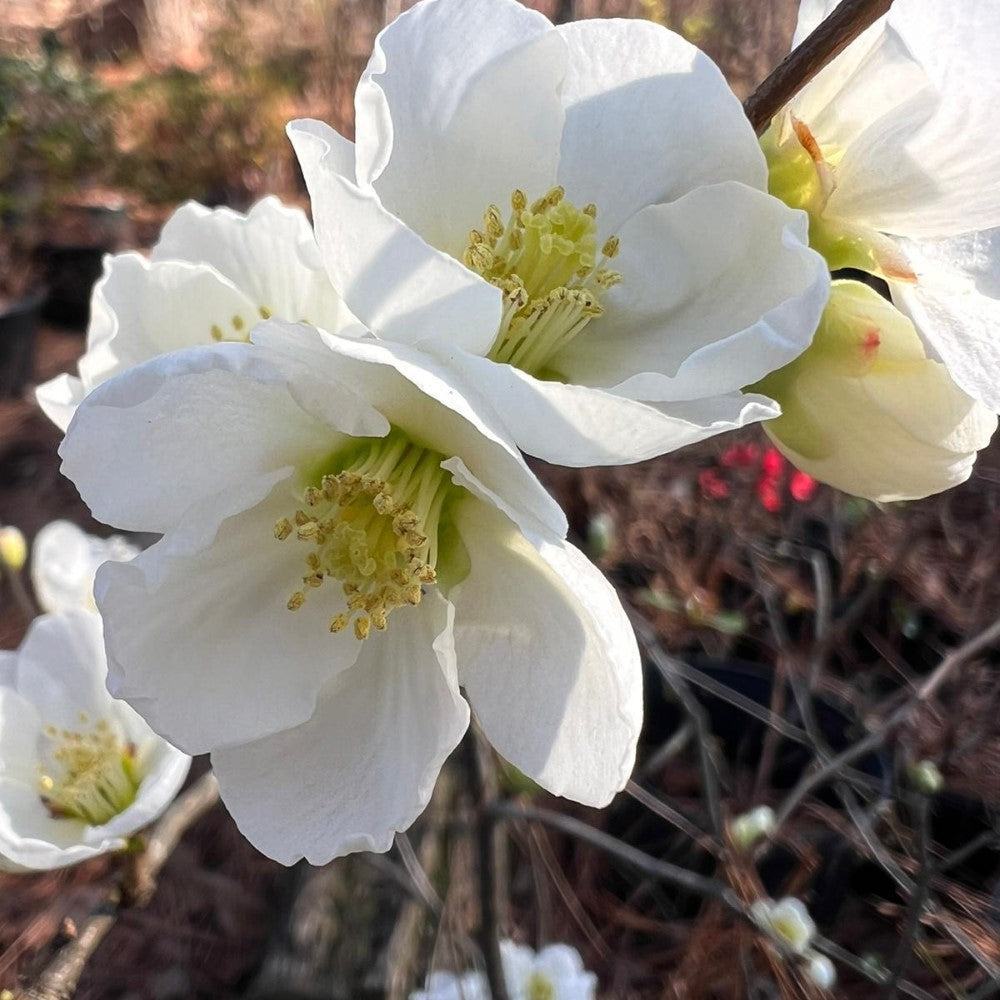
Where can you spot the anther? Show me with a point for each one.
(296, 600)
(282, 529)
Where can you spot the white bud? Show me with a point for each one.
(820, 970)
(745, 830)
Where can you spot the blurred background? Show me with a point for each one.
(112, 112)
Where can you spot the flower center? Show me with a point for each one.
(539, 987)
(544, 261)
(90, 775)
(240, 332)
(374, 527)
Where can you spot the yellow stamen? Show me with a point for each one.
(544, 261)
(90, 776)
(374, 527)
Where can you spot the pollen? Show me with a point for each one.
(90, 775)
(373, 527)
(544, 260)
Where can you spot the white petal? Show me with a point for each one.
(31, 840)
(64, 560)
(955, 306)
(364, 766)
(186, 425)
(20, 727)
(576, 425)
(458, 107)
(433, 403)
(59, 398)
(396, 284)
(61, 668)
(141, 309)
(907, 115)
(270, 254)
(243, 665)
(547, 658)
(695, 307)
(648, 119)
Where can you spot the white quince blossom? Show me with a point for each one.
(64, 560)
(892, 150)
(453, 986)
(79, 771)
(346, 543)
(573, 218)
(787, 920)
(554, 973)
(212, 275)
(864, 409)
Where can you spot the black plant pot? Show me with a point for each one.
(71, 272)
(18, 322)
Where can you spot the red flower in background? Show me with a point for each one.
(770, 481)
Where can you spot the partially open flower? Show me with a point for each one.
(212, 275)
(892, 151)
(79, 771)
(573, 218)
(787, 920)
(64, 561)
(347, 542)
(866, 410)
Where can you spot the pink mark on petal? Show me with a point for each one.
(871, 341)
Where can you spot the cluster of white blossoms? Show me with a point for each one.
(555, 240)
(892, 151)
(556, 972)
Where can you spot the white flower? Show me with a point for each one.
(892, 149)
(79, 771)
(787, 920)
(573, 218)
(867, 411)
(554, 973)
(306, 459)
(64, 559)
(213, 274)
(450, 986)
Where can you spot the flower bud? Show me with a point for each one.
(926, 777)
(820, 970)
(747, 829)
(864, 409)
(13, 548)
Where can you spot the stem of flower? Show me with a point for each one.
(801, 64)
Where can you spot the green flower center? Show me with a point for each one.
(90, 776)
(539, 987)
(544, 260)
(374, 525)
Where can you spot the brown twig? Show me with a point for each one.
(483, 775)
(848, 21)
(59, 979)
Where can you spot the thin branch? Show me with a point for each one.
(59, 979)
(918, 899)
(661, 871)
(483, 777)
(667, 666)
(848, 21)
